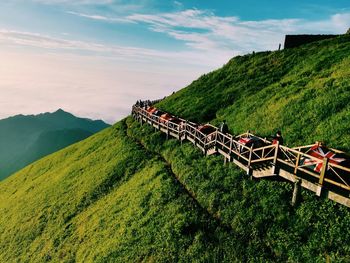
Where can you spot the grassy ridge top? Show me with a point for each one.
(127, 194)
(302, 91)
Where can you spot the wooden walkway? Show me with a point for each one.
(273, 160)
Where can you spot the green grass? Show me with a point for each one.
(127, 194)
(266, 227)
(104, 199)
(302, 91)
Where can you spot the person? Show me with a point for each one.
(277, 138)
(141, 104)
(224, 127)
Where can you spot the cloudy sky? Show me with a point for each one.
(94, 58)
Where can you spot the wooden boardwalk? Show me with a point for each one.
(273, 160)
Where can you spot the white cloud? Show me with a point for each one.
(206, 31)
(53, 44)
(114, 6)
(84, 85)
(88, 79)
(75, 2)
(100, 17)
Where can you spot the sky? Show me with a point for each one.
(96, 58)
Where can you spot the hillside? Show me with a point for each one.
(24, 139)
(127, 194)
(303, 91)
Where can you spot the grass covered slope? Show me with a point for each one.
(263, 225)
(127, 194)
(302, 91)
(104, 199)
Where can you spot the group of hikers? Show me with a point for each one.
(223, 126)
(276, 138)
(143, 104)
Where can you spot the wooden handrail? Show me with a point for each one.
(293, 156)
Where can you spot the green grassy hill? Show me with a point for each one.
(127, 194)
(303, 91)
(24, 139)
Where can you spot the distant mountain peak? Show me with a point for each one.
(61, 111)
(26, 138)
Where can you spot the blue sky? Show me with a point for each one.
(94, 58)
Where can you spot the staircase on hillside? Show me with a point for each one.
(272, 160)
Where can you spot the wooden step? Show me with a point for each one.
(211, 151)
(261, 173)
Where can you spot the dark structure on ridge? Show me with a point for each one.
(292, 41)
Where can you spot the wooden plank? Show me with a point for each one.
(303, 147)
(338, 198)
(211, 151)
(240, 165)
(345, 169)
(226, 155)
(264, 147)
(276, 157)
(323, 171)
(344, 186)
(263, 173)
(263, 160)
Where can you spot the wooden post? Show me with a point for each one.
(322, 176)
(323, 171)
(205, 147)
(182, 129)
(216, 141)
(167, 130)
(296, 192)
(263, 153)
(297, 164)
(250, 160)
(275, 158)
(231, 143)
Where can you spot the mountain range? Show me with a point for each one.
(24, 139)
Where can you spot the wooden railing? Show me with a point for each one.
(333, 174)
(290, 160)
